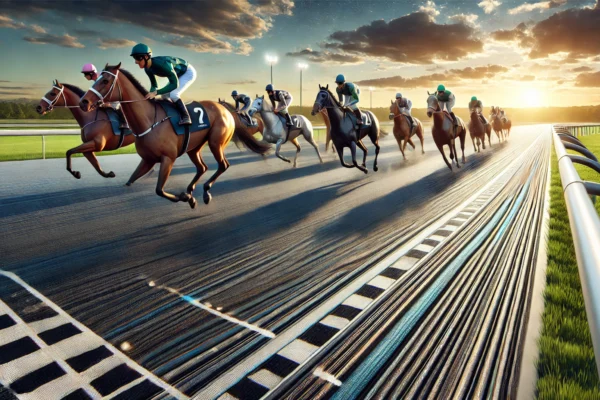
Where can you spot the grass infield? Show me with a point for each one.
(566, 366)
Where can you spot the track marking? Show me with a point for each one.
(327, 376)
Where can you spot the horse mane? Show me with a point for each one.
(79, 92)
(227, 105)
(133, 80)
(333, 97)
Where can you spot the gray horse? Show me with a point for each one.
(344, 131)
(276, 132)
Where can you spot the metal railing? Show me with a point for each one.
(583, 218)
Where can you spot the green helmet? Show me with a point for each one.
(140, 48)
(441, 88)
(473, 98)
(340, 79)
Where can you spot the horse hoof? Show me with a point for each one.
(207, 197)
(110, 175)
(192, 202)
(375, 168)
(77, 174)
(128, 184)
(184, 196)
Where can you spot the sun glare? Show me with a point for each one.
(531, 97)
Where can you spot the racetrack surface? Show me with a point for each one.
(275, 242)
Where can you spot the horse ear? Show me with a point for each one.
(58, 83)
(428, 94)
(327, 87)
(118, 65)
(106, 67)
(320, 86)
(391, 101)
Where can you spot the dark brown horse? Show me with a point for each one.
(156, 141)
(443, 131)
(402, 130)
(96, 131)
(477, 130)
(241, 125)
(497, 125)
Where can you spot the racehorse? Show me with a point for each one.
(328, 141)
(276, 132)
(402, 129)
(96, 131)
(443, 130)
(343, 129)
(478, 130)
(497, 125)
(240, 124)
(157, 141)
(506, 125)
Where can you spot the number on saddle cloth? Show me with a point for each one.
(113, 116)
(197, 113)
(295, 122)
(366, 118)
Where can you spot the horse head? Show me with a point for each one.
(102, 90)
(322, 101)
(394, 110)
(52, 99)
(257, 105)
(432, 104)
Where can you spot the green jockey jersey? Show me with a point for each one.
(475, 103)
(167, 67)
(349, 89)
(444, 96)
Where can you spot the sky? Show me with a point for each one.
(505, 52)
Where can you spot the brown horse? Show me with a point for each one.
(402, 129)
(96, 131)
(443, 131)
(477, 130)
(241, 125)
(156, 141)
(497, 125)
(506, 124)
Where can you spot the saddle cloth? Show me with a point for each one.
(197, 112)
(114, 122)
(366, 119)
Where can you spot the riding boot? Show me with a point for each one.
(288, 120)
(412, 124)
(183, 113)
(483, 119)
(358, 117)
(122, 119)
(454, 119)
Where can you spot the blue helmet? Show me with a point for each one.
(269, 88)
(234, 93)
(340, 79)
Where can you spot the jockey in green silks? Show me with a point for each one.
(348, 95)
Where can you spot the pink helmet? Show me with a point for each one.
(89, 67)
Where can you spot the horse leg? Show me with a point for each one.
(298, 148)
(374, 136)
(166, 165)
(441, 149)
(277, 148)
(362, 146)
(94, 161)
(86, 147)
(474, 145)
(196, 156)
(217, 152)
(340, 152)
(353, 152)
(310, 139)
(141, 170)
(402, 146)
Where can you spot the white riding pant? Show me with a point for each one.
(449, 104)
(185, 81)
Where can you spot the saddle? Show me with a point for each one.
(366, 119)
(295, 122)
(248, 121)
(113, 116)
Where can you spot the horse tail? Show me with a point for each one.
(250, 142)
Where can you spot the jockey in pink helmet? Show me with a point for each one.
(90, 73)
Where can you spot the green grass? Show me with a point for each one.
(566, 367)
(39, 121)
(17, 148)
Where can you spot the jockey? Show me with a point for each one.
(502, 116)
(90, 73)
(242, 99)
(181, 75)
(284, 100)
(350, 91)
(405, 107)
(446, 97)
(473, 104)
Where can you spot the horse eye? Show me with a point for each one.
(105, 81)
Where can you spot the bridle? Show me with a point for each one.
(52, 103)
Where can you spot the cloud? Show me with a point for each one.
(590, 79)
(207, 26)
(87, 33)
(582, 69)
(107, 43)
(525, 78)
(424, 81)
(542, 6)
(429, 8)
(38, 29)
(65, 40)
(244, 49)
(326, 57)
(6, 22)
(414, 38)
(489, 5)
(242, 82)
(467, 19)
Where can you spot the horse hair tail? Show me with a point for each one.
(250, 142)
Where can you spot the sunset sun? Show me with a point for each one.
(531, 97)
